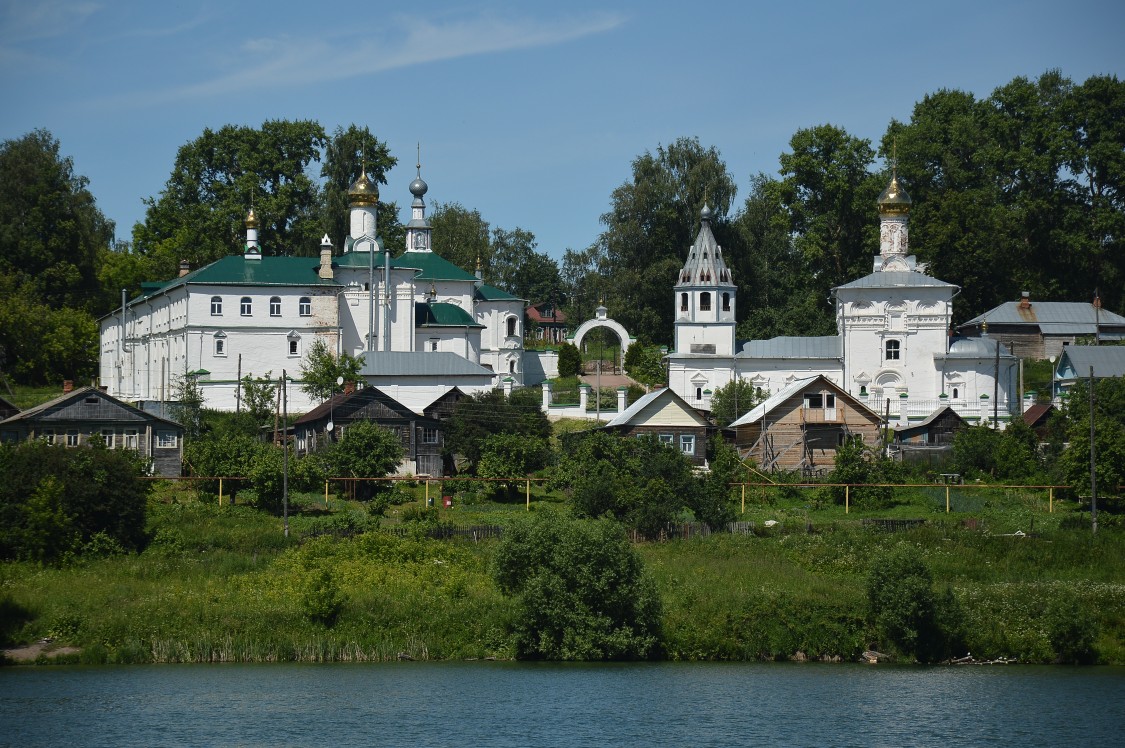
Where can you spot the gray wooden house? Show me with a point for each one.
(800, 427)
(87, 415)
(422, 434)
(1040, 329)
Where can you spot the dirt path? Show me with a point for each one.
(31, 652)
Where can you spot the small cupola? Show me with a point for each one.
(363, 192)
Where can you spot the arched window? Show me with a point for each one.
(246, 306)
(511, 327)
(726, 302)
(220, 343)
(683, 302)
(892, 350)
(304, 306)
(294, 344)
(275, 306)
(512, 367)
(705, 301)
(216, 306)
(954, 393)
(698, 393)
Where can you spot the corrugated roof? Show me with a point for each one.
(431, 267)
(1076, 316)
(983, 347)
(268, 271)
(485, 292)
(928, 419)
(1107, 360)
(825, 346)
(774, 400)
(442, 314)
(82, 392)
(627, 415)
(419, 363)
(897, 279)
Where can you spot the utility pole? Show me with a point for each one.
(1093, 475)
(285, 451)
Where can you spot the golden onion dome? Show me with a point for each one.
(894, 199)
(363, 191)
(251, 220)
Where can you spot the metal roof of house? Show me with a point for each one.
(268, 271)
(44, 409)
(825, 346)
(486, 292)
(974, 348)
(788, 391)
(442, 314)
(897, 279)
(1107, 360)
(921, 425)
(431, 267)
(420, 364)
(1060, 317)
(626, 416)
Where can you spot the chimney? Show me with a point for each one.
(349, 387)
(1025, 300)
(185, 268)
(325, 258)
(67, 386)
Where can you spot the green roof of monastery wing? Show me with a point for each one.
(431, 267)
(486, 292)
(268, 271)
(358, 260)
(441, 314)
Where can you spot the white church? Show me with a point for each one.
(893, 349)
(421, 324)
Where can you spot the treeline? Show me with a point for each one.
(1023, 190)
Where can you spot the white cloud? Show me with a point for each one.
(276, 62)
(44, 19)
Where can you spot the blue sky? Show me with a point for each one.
(529, 112)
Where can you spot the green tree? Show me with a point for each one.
(904, 610)
(200, 214)
(365, 450)
(1109, 435)
(652, 222)
(645, 364)
(461, 236)
(512, 456)
(1004, 455)
(321, 370)
(856, 463)
(54, 499)
(733, 400)
(51, 231)
(259, 397)
(519, 269)
(585, 279)
(187, 404)
(480, 416)
(570, 360)
(580, 589)
(346, 153)
(322, 600)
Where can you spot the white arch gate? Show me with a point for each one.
(600, 320)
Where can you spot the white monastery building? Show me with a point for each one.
(893, 349)
(421, 324)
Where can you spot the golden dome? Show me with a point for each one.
(363, 191)
(894, 199)
(251, 220)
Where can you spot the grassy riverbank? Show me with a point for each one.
(224, 584)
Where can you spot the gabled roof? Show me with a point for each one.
(432, 267)
(348, 403)
(1061, 317)
(420, 364)
(897, 279)
(1037, 414)
(930, 419)
(648, 406)
(45, 411)
(798, 385)
(536, 313)
(442, 314)
(824, 346)
(1107, 360)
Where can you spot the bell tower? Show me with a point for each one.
(705, 297)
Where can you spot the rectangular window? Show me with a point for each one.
(433, 344)
(72, 437)
(166, 439)
(687, 444)
(48, 436)
(216, 306)
(275, 306)
(107, 438)
(304, 307)
(220, 346)
(429, 436)
(131, 439)
(667, 439)
(814, 401)
(247, 306)
(294, 348)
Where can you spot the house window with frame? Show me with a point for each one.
(429, 435)
(705, 301)
(72, 437)
(668, 440)
(687, 444)
(166, 440)
(246, 306)
(48, 436)
(107, 438)
(304, 306)
(275, 306)
(216, 306)
(131, 439)
(893, 349)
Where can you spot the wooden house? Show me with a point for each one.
(664, 414)
(800, 427)
(936, 429)
(85, 415)
(1041, 329)
(420, 429)
(7, 409)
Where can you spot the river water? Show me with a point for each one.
(517, 704)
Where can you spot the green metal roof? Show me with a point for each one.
(441, 314)
(431, 267)
(268, 271)
(486, 292)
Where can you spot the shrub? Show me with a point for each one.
(1072, 630)
(321, 598)
(904, 610)
(570, 360)
(580, 588)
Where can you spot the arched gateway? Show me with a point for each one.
(600, 320)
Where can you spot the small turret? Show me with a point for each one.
(253, 251)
